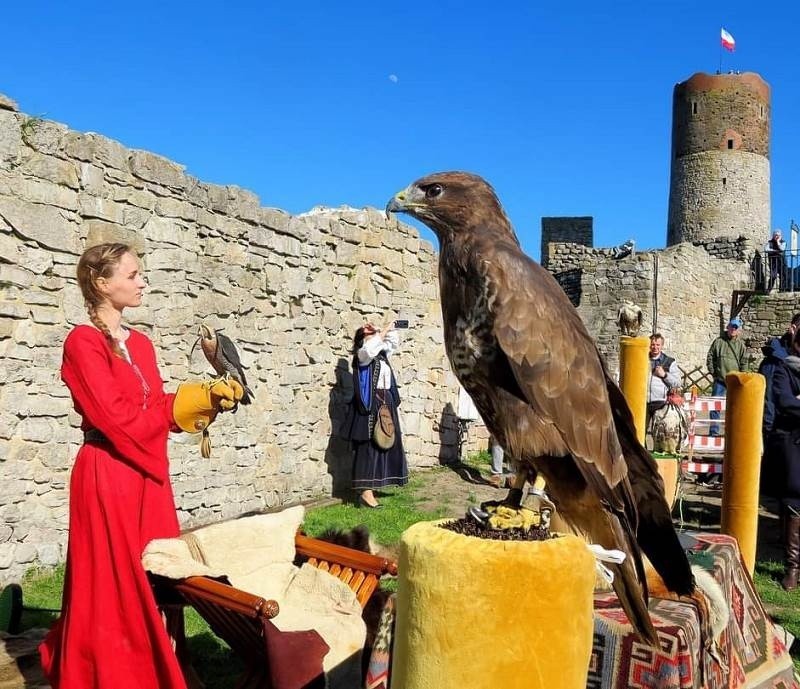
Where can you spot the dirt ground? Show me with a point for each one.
(697, 508)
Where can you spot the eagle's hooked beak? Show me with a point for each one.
(405, 201)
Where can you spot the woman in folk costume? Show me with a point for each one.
(374, 384)
(110, 634)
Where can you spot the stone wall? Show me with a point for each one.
(767, 316)
(735, 190)
(682, 291)
(290, 290)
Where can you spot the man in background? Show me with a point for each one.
(664, 375)
(726, 355)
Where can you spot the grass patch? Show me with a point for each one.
(400, 508)
(479, 460)
(783, 606)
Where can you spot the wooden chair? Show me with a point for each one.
(243, 620)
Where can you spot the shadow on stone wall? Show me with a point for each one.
(338, 455)
(451, 437)
(570, 281)
(448, 429)
(758, 272)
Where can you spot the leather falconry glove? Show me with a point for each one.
(197, 404)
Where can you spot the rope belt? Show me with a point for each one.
(94, 436)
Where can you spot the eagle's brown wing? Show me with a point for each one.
(554, 361)
(558, 369)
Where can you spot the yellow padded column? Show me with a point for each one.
(634, 369)
(741, 468)
(485, 614)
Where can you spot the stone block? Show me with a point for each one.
(10, 135)
(45, 225)
(56, 170)
(100, 231)
(156, 169)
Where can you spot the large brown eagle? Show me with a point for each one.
(520, 349)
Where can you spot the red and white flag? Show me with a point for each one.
(727, 40)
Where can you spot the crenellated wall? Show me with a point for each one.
(681, 290)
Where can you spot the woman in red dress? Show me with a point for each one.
(110, 634)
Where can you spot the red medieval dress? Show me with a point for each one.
(110, 634)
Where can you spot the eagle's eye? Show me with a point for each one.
(433, 191)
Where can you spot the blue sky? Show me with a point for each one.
(563, 106)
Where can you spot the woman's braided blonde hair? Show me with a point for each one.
(99, 262)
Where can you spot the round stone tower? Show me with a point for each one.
(719, 179)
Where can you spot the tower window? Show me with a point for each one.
(724, 181)
(694, 107)
(730, 143)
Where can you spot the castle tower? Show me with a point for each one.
(719, 179)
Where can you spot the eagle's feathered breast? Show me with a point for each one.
(479, 362)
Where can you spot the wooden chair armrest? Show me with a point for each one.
(347, 557)
(227, 596)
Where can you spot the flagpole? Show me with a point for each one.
(719, 71)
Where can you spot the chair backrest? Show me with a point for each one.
(243, 619)
(360, 571)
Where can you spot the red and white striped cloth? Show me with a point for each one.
(704, 444)
(702, 467)
(706, 404)
(708, 443)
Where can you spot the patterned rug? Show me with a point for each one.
(380, 659)
(751, 654)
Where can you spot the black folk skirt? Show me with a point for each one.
(376, 468)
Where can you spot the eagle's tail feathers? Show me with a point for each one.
(655, 532)
(628, 590)
(629, 581)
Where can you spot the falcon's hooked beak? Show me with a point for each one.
(203, 333)
(406, 201)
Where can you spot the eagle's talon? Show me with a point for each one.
(513, 499)
(478, 516)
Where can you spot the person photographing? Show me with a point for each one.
(376, 462)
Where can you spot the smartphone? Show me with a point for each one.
(401, 324)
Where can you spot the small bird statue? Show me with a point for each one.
(629, 319)
(223, 357)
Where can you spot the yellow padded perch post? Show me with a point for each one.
(484, 614)
(634, 367)
(740, 470)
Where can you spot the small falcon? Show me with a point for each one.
(223, 356)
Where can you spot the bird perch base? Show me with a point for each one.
(480, 613)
